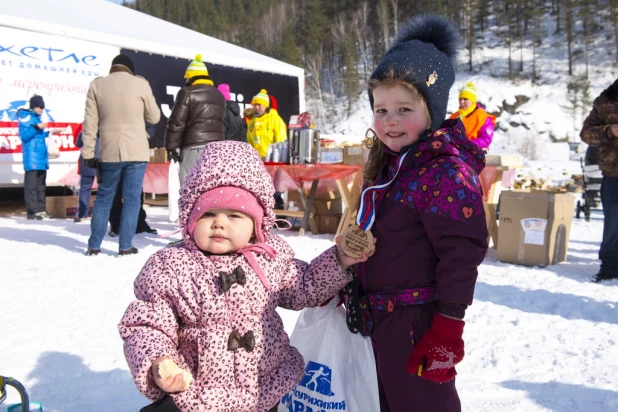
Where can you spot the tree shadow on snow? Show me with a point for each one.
(586, 242)
(65, 383)
(556, 396)
(550, 303)
(62, 239)
(576, 268)
(44, 238)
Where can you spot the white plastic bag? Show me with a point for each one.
(173, 190)
(53, 151)
(340, 372)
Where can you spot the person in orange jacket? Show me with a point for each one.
(478, 123)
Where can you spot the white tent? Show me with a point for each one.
(100, 21)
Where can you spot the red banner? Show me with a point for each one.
(11, 143)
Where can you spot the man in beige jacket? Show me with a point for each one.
(117, 107)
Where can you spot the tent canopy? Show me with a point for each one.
(104, 22)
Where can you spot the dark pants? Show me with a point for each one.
(83, 197)
(394, 335)
(608, 254)
(116, 212)
(279, 201)
(167, 405)
(34, 191)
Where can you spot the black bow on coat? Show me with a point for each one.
(228, 279)
(236, 340)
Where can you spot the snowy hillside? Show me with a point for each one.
(530, 115)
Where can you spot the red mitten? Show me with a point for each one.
(441, 348)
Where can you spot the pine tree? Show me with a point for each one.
(289, 51)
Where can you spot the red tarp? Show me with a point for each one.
(155, 179)
(291, 177)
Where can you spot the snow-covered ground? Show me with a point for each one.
(537, 339)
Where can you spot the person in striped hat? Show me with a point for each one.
(478, 123)
(197, 118)
(267, 127)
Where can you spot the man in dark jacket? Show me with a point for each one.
(235, 127)
(196, 119)
(600, 130)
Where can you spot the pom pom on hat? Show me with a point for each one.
(196, 68)
(261, 98)
(468, 92)
(225, 90)
(423, 54)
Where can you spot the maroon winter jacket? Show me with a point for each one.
(430, 223)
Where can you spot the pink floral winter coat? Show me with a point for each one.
(183, 312)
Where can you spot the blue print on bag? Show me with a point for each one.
(317, 378)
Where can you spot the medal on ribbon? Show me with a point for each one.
(357, 239)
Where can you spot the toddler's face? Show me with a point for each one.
(221, 231)
(398, 119)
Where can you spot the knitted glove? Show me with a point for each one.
(438, 351)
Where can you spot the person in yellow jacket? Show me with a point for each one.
(266, 127)
(478, 123)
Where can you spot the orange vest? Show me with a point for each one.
(474, 121)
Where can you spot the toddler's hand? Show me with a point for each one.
(346, 261)
(168, 376)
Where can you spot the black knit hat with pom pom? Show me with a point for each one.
(424, 54)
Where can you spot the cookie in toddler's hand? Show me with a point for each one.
(168, 368)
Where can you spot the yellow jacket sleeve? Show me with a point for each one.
(279, 128)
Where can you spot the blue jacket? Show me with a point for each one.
(33, 145)
(83, 169)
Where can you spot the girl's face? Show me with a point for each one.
(221, 231)
(38, 110)
(465, 104)
(398, 119)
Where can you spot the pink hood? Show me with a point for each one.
(212, 170)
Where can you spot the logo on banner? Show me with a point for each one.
(48, 54)
(9, 113)
(317, 378)
(314, 392)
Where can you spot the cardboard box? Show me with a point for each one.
(534, 227)
(331, 155)
(353, 155)
(503, 160)
(62, 207)
(294, 196)
(158, 155)
(328, 207)
(328, 224)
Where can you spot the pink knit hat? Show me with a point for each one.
(228, 197)
(225, 90)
